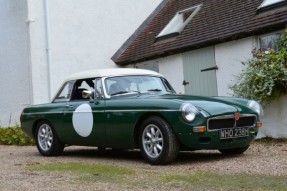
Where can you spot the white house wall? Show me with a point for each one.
(82, 35)
(39, 65)
(228, 58)
(275, 120)
(172, 68)
(14, 61)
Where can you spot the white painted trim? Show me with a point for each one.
(111, 72)
(47, 25)
(266, 3)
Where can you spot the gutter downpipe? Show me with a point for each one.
(28, 23)
(48, 49)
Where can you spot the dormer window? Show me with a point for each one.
(270, 3)
(178, 22)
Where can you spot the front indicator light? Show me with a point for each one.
(259, 124)
(200, 129)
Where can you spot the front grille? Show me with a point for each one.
(230, 122)
(221, 123)
(246, 121)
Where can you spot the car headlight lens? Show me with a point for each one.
(189, 111)
(256, 106)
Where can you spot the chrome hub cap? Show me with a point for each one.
(152, 141)
(45, 137)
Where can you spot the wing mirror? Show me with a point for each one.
(88, 94)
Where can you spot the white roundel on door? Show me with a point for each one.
(83, 120)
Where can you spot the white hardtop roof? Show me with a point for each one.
(108, 72)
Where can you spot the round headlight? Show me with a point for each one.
(189, 111)
(256, 107)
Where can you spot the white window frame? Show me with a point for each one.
(266, 35)
(266, 3)
(176, 25)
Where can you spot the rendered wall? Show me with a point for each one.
(82, 35)
(172, 68)
(228, 57)
(275, 120)
(14, 61)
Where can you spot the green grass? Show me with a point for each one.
(87, 169)
(86, 173)
(125, 178)
(213, 181)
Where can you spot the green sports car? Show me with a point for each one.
(134, 108)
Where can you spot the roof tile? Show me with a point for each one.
(217, 21)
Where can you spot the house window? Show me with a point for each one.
(266, 3)
(269, 41)
(179, 21)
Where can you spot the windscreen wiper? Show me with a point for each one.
(125, 92)
(155, 90)
(119, 92)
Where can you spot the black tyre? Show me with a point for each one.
(235, 151)
(47, 141)
(157, 141)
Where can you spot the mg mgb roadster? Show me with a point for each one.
(139, 109)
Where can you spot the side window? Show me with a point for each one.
(80, 86)
(65, 92)
(86, 86)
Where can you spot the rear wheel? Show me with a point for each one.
(235, 151)
(157, 141)
(47, 141)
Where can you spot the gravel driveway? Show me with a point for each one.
(259, 159)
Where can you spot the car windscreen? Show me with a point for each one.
(141, 84)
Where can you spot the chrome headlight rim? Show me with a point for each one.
(256, 107)
(189, 112)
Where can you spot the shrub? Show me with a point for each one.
(14, 136)
(264, 78)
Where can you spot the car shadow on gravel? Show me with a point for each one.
(185, 157)
(201, 157)
(130, 155)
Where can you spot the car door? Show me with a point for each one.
(84, 117)
(121, 114)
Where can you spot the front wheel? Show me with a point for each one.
(157, 141)
(47, 141)
(235, 151)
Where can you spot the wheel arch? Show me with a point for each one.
(35, 124)
(140, 121)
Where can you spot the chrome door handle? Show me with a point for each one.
(70, 106)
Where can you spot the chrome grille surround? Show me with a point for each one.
(231, 117)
